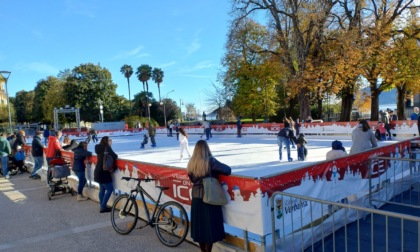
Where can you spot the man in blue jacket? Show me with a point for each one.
(37, 154)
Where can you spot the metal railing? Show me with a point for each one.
(334, 226)
(394, 180)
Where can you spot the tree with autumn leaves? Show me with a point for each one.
(320, 48)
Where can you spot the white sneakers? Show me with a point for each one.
(81, 197)
(7, 176)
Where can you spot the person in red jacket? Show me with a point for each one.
(53, 146)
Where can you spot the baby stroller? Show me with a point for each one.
(58, 171)
(13, 169)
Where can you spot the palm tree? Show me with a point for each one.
(127, 70)
(157, 76)
(144, 72)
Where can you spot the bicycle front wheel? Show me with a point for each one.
(171, 224)
(124, 214)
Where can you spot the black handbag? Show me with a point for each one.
(108, 162)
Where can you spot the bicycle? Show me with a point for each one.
(170, 220)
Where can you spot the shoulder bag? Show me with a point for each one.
(108, 162)
(213, 192)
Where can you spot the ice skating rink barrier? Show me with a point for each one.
(248, 214)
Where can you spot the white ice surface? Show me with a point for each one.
(252, 155)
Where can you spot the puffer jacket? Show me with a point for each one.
(37, 147)
(80, 154)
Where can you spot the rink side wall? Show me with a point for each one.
(340, 180)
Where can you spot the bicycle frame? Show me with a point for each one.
(134, 193)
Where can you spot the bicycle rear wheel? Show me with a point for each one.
(124, 214)
(171, 224)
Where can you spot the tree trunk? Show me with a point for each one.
(305, 106)
(129, 95)
(346, 106)
(374, 106)
(401, 95)
(319, 109)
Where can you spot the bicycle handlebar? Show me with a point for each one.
(137, 179)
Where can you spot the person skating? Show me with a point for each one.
(183, 143)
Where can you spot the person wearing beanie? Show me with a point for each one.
(337, 150)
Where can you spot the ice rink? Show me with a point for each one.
(251, 155)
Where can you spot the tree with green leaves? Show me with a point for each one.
(157, 77)
(249, 68)
(127, 71)
(144, 73)
(54, 98)
(24, 105)
(87, 87)
(41, 90)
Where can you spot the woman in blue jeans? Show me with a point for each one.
(79, 167)
(102, 177)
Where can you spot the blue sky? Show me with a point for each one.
(185, 39)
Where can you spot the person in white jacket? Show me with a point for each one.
(183, 143)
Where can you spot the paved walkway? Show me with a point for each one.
(30, 222)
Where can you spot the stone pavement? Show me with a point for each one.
(30, 222)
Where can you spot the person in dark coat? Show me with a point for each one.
(79, 167)
(239, 127)
(37, 154)
(206, 220)
(19, 141)
(102, 177)
(283, 137)
(73, 144)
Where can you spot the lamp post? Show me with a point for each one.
(101, 111)
(180, 108)
(148, 110)
(5, 75)
(164, 105)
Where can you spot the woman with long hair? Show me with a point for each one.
(183, 143)
(206, 220)
(363, 138)
(104, 178)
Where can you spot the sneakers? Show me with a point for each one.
(290, 159)
(81, 197)
(36, 176)
(105, 210)
(7, 177)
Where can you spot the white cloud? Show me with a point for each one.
(136, 53)
(199, 66)
(194, 46)
(38, 67)
(168, 64)
(82, 8)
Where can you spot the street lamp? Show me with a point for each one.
(101, 111)
(164, 105)
(180, 107)
(5, 75)
(148, 110)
